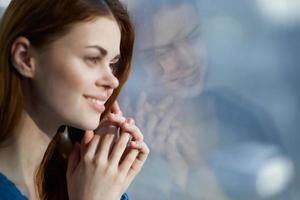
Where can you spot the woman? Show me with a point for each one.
(64, 63)
(172, 54)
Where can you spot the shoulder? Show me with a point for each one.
(8, 190)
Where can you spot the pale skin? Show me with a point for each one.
(56, 83)
(93, 161)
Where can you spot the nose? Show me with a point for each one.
(184, 54)
(178, 58)
(107, 78)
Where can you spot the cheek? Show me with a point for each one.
(64, 84)
(67, 81)
(69, 103)
(57, 91)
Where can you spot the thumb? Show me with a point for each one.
(73, 160)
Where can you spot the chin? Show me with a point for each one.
(86, 123)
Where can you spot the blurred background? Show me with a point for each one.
(214, 89)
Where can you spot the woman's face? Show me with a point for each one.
(76, 70)
(177, 49)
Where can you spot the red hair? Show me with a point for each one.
(42, 22)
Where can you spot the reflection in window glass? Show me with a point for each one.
(214, 90)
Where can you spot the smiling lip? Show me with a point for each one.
(96, 102)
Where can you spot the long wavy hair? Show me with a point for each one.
(42, 22)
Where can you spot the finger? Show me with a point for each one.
(118, 149)
(92, 147)
(128, 160)
(142, 101)
(140, 159)
(116, 118)
(130, 120)
(151, 125)
(127, 104)
(167, 121)
(127, 150)
(143, 149)
(165, 103)
(103, 128)
(73, 160)
(133, 130)
(87, 137)
(141, 108)
(106, 143)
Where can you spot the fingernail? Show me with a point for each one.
(125, 124)
(123, 118)
(130, 120)
(136, 144)
(110, 115)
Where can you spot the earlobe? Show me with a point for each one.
(21, 57)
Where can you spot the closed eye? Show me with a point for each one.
(94, 60)
(113, 65)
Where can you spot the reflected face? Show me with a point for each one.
(74, 76)
(175, 53)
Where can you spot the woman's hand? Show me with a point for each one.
(102, 167)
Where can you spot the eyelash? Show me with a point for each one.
(97, 59)
(92, 59)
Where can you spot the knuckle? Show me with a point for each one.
(139, 133)
(147, 149)
(87, 158)
(111, 171)
(130, 119)
(99, 163)
(141, 136)
(108, 137)
(129, 160)
(112, 128)
(136, 169)
(123, 142)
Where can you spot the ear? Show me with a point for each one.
(22, 57)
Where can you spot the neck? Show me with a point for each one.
(24, 150)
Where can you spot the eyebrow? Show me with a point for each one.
(195, 29)
(103, 51)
